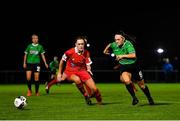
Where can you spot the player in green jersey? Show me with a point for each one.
(130, 71)
(53, 66)
(33, 53)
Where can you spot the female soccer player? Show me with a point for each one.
(78, 69)
(32, 63)
(53, 66)
(129, 68)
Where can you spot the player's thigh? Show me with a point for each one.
(28, 74)
(36, 76)
(75, 79)
(121, 79)
(126, 77)
(84, 75)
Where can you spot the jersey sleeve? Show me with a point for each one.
(27, 49)
(88, 59)
(42, 49)
(66, 55)
(112, 45)
(130, 48)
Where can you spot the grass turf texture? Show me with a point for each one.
(65, 102)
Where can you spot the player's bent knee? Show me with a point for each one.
(142, 86)
(95, 89)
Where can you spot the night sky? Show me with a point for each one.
(57, 26)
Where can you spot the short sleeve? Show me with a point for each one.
(130, 48)
(66, 55)
(42, 49)
(27, 49)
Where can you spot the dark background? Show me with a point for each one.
(57, 25)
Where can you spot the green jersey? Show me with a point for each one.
(54, 65)
(126, 48)
(33, 52)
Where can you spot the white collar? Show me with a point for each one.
(35, 44)
(76, 51)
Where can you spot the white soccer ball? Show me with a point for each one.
(88, 45)
(20, 102)
(112, 55)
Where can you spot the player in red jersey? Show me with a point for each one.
(78, 69)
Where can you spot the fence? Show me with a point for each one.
(106, 76)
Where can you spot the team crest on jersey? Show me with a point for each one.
(73, 65)
(34, 52)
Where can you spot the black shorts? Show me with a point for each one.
(33, 67)
(134, 69)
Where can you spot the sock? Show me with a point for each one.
(146, 92)
(81, 89)
(29, 84)
(52, 82)
(130, 90)
(98, 95)
(37, 86)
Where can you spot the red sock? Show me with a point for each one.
(81, 89)
(54, 81)
(98, 96)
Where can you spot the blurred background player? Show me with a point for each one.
(78, 69)
(32, 63)
(168, 69)
(129, 68)
(53, 66)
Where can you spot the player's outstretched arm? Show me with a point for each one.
(60, 76)
(89, 69)
(131, 55)
(106, 50)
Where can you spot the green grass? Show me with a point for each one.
(65, 102)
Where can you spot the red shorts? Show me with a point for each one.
(83, 75)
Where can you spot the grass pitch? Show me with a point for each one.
(65, 102)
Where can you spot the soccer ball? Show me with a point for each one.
(112, 55)
(20, 102)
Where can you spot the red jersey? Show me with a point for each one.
(76, 61)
